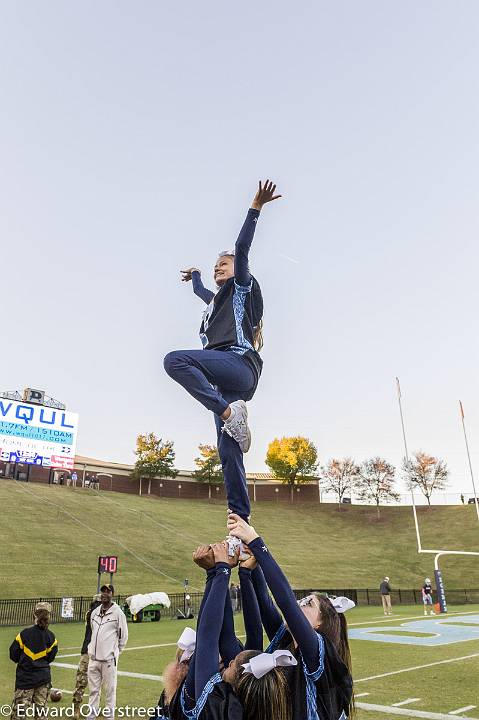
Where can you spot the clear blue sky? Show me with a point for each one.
(132, 137)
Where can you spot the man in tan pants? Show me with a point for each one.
(81, 680)
(109, 637)
(385, 590)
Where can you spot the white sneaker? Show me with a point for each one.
(237, 425)
(233, 544)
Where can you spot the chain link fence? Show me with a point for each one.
(19, 612)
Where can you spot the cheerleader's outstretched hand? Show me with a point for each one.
(264, 195)
(203, 557)
(249, 563)
(220, 552)
(239, 528)
(187, 274)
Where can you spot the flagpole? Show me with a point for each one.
(469, 459)
(402, 419)
(416, 525)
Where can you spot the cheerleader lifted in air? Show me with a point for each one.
(225, 374)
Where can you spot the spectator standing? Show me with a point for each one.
(234, 597)
(426, 591)
(238, 597)
(33, 650)
(109, 635)
(82, 672)
(385, 590)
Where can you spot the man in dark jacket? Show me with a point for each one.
(33, 649)
(82, 672)
(385, 590)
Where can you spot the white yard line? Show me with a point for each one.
(418, 667)
(135, 647)
(385, 620)
(148, 647)
(356, 695)
(77, 654)
(463, 709)
(406, 702)
(389, 710)
(140, 676)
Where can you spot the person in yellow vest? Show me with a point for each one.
(33, 650)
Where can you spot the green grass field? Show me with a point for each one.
(55, 534)
(440, 688)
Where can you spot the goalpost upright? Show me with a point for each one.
(438, 553)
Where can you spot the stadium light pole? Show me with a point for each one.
(469, 460)
(416, 525)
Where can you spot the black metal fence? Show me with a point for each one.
(18, 612)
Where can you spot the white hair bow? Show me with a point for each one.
(264, 663)
(342, 604)
(187, 643)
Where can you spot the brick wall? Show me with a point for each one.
(180, 487)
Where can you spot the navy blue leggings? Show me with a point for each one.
(216, 378)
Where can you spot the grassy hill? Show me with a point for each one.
(51, 536)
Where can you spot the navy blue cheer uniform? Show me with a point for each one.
(228, 368)
(204, 695)
(321, 684)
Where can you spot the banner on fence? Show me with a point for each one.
(67, 608)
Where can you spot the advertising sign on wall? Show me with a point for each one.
(37, 435)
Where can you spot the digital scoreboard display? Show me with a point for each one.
(107, 564)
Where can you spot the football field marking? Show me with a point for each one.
(123, 673)
(135, 647)
(463, 709)
(426, 632)
(406, 702)
(405, 712)
(418, 667)
(396, 618)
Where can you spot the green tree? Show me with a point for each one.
(154, 458)
(426, 473)
(338, 477)
(293, 460)
(375, 482)
(208, 466)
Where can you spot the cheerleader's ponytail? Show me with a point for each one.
(344, 653)
(258, 336)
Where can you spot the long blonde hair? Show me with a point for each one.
(174, 674)
(258, 336)
(265, 698)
